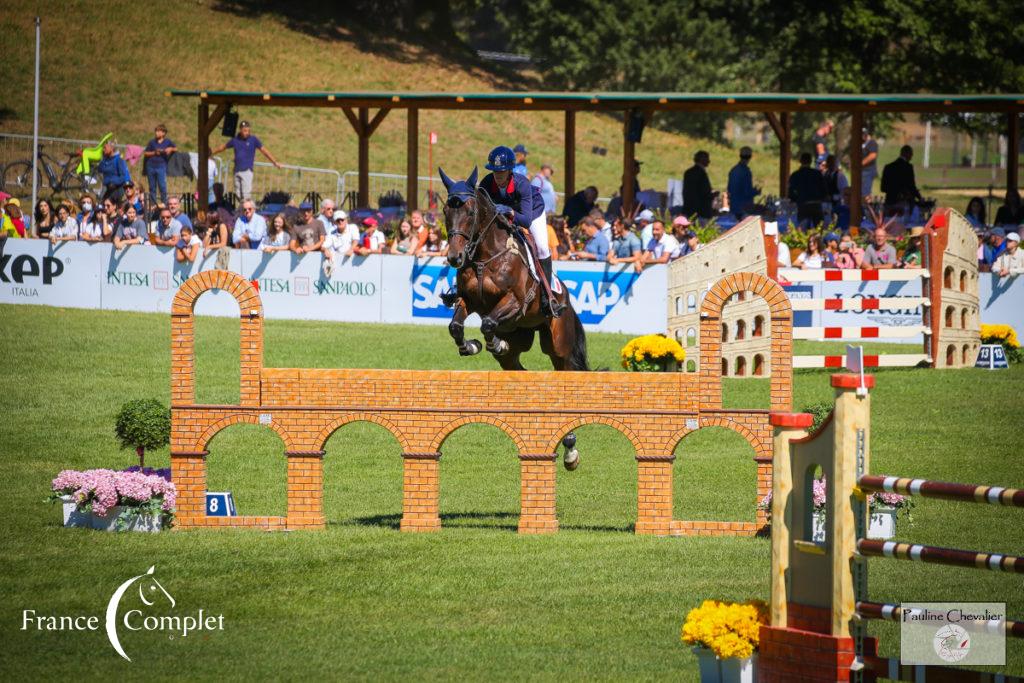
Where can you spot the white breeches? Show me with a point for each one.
(539, 230)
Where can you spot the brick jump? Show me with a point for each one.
(819, 605)
(304, 407)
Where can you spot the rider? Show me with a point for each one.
(522, 202)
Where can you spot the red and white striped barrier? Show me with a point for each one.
(889, 360)
(789, 275)
(860, 304)
(859, 332)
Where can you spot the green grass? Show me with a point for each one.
(475, 601)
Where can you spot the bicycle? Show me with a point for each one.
(60, 176)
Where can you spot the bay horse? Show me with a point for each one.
(494, 281)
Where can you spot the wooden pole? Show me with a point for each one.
(1013, 150)
(785, 152)
(202, 177)
(364, 158)
(628, 157)
(570, 153)
(412, 160)
(856, 168)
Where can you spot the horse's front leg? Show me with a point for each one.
(457, 327)
(507, 309)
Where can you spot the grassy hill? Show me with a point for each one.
(105, 67)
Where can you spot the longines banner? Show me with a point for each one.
(397, 289)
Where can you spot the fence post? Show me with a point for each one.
(412, 161)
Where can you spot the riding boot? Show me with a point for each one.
(553, 307)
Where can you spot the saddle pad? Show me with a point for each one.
(556, 284)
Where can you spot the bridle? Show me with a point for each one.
(473, 241)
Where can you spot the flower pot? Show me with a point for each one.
(882, 523)
(818, 532)
(108, 522)
(709, 665)
(72, 517)
(736, 670)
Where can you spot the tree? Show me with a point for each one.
(141, 424)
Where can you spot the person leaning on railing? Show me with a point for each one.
(44, 218)
(131, 229)
(66, 227)
(187, 246)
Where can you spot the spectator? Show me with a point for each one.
(850, 255)
(626, 247)
(784, 258)
(807, 188)
(307, 233)
(130, 230)
(819, 142)
(520, 167)
(995, 247)
(659, 248)
(373, 240)
(688, 243)
(419, 229)
(66, 227)
(167, 231)
(868, 162)
(114, 171)
(7, 229)
(880, 255)
(812, 258)
(133, 197)
(830, 244)
(975, 213)
(45, 218)
(601, 221)
(741, 185)
(340, 243)
(245, 145)
(680, 230)
(433, 245)
(326, 216)
(1011, 261)
(542, 181)
(912, 255)
(279, 237)
(644, 220)
(250, 227)
(215, 234)
(174, 204)
(562, 239)
(898, 182)
(697, 194)
(221, 205)
(405, 240)
(157, 151)
(596, 247)
(86, 215)
(579, 205)
(1010, 212)
(187, 246)
(100, 226)
(13, 211)
(835, 180)
(636, 184)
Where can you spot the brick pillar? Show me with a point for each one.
(420, 492)
(305, 490)
(764, 487)
(183, 375)
(251, 343)
(537, 497)
(782, 363)
(188, 472)
(654, 494)
(786, 655)
(711, 360)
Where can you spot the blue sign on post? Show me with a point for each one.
(220, 504)
(991, 357)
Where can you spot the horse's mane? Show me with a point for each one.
(485, 209)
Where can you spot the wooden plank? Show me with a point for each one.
(570, 153)
(412, 159)
(856, 168)
(364, 158)
(776, 126)
(202, 177)
(785, 152)
(1013, 150)
(376, 121)
(213, 119)
(628, 159)
(356, 125)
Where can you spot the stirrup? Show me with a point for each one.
(450, 297)
(554, 308)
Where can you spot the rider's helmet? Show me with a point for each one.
(501, 158)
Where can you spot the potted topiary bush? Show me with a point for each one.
(141, 424)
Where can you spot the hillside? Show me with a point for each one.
(105, 67)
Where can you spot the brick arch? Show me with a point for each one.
(746, 433)
(781, 313)
(446, 431)
(183, 390)
(327, 432)
(620, 427)
(243, 418)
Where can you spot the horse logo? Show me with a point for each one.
(148, 588)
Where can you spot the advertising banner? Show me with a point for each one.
(36, 272)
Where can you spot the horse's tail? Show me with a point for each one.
(578, 358)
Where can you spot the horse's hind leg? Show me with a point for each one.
(457, 329)
(519, 341)
(551, 347)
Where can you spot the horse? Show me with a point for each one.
(494, 281)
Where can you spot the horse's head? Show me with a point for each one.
(461, 216)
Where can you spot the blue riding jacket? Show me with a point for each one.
(523, 198)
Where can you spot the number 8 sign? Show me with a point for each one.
(220, 504)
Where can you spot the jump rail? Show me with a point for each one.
(931, 554)
(926, 488)
(889, 612)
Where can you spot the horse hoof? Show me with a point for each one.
(571, 459)
(470, 348)
(499, 347)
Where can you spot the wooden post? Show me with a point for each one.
(785, 152)
(1013, 150)
(202, 177)
(628, 157)
(412, 160)
(364, 158)
(856, 168)
(570, 154)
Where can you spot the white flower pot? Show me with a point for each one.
(72, 517)
(818, 532)
(731, 670)
(882, 523)
(108, 522)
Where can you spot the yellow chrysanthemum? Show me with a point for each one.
(652, 348)
(727, 629)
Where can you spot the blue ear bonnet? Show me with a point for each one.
(459, 190)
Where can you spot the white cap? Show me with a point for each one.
(646, 215)
(339, 213)
(1012, 237)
